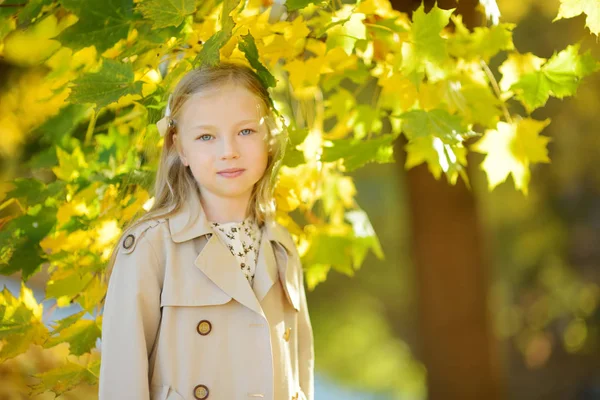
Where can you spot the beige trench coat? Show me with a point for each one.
(207, 334)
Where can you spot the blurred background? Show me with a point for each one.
(539, 271)
(477, 288)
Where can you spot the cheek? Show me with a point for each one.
(260, 152)
(200, 158)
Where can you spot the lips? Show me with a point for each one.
(231, 170)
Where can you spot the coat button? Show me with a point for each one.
(128, 242)
(295, 397)
(286, 334)
(204, 327)
(201, 392)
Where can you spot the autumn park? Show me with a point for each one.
(423, 203)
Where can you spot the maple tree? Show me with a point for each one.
(97, 76)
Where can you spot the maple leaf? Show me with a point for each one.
(560, 76)
(572, 8)
(510, 149)
(166, 13)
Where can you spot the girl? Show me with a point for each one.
(206, 299)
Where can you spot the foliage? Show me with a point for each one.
(96, 73)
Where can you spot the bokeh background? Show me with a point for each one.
(541, 267)
(542, 253)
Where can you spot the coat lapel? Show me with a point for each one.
(275, 257)
(220, 266)
(266, 269)
(285, 254)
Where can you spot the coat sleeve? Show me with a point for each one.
(130, 322)
(306, 352)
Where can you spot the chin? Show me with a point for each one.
(223, 192)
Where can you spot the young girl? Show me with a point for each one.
(206, 297)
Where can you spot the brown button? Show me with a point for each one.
(201, 392)
(128, 242)
(286, 335)
(204, 327)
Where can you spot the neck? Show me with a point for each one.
(225, 209)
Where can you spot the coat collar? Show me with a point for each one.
(190, 222)
(277, 257)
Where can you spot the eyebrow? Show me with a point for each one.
(245, 121)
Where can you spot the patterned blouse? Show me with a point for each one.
(243, 239)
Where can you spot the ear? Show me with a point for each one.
(181, 156)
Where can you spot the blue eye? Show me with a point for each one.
(251, 130)
(206, 137)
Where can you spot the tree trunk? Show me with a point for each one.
(457, 343)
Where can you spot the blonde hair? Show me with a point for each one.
(174, 180)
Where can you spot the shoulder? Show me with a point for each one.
(151, 231)
(282, 235)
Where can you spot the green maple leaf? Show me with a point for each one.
(248, 47)
(23, 243)
(572, 8)
(31, 10)
(20, 323)
(510, 149)
(65, 322)
(80, 335)
(293, 5)
(64, 378)
(560, 76)
(439, 157)
(438, 123)
(365, 238)
(339, 104)
(113, 81)
(482, 42)
(210, 53)
(333, 250)
(356, 153)
(473, 100)
(346, 34)
(345, 253)
(426, 44)
(366, 120)
(166, 13)
(67, 284)
(102, 23)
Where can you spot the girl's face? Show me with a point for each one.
(221, 130)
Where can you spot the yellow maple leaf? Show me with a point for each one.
(70, 242)
(27, 101)
(381, 8)
(296, 31)
(30, 302)
(274, 47)
(510, 149)
(517, 65)
(572, 8)
(69, 165)
(141, 196)
(398, 93)
(33, 45)
(305, 75)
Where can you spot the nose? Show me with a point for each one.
(229, 149)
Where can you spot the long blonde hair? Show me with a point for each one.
(174, 180)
